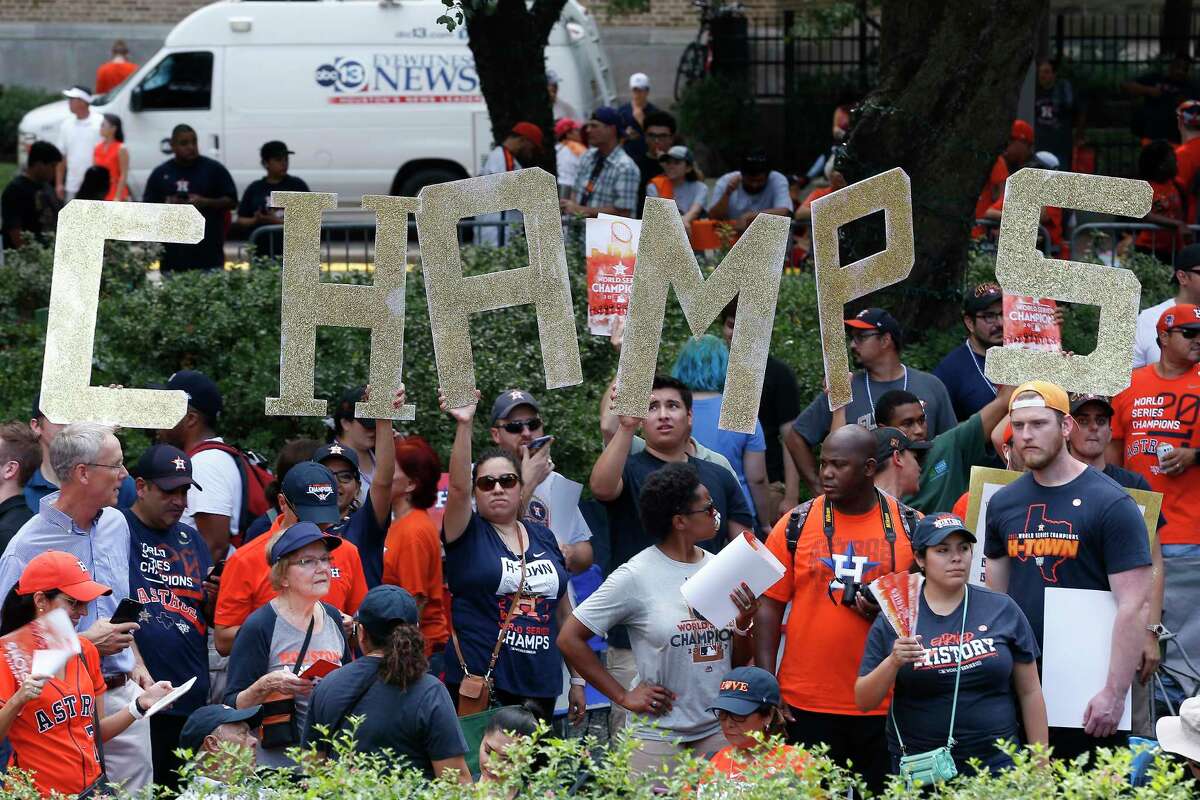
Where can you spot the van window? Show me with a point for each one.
(180, 81)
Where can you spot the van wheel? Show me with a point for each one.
(410, 185)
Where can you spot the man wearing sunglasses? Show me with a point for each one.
(358, 435)
(1187, 275)
(547, 497)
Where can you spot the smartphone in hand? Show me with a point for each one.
(127, 611)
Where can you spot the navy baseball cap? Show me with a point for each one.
(894, 440)
(745, 690)
(872, 319)
(311, 490)
(510, 399)
(300, 535)
(345, 406)
(983, 296)
(203, 394)
(933, 529)
(608, 115)
(166, 466)
(206, 719)
(336, 450)
(384, 607)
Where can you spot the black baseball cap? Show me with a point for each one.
(1188, 257)
(510, 399)
(206, 719)
(203, 394)
(983, 296)
(871, 319)
(274, 149)
(755, 163)
(1078, 401)
(933, 529)
(166, 466)
(311, 490)
(745, 690)
(37, 407)
(336, 450)
(384, 607)
(345, 406)
(894, 440)
(300, 535)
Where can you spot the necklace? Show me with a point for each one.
(975, 361)
(870, 399)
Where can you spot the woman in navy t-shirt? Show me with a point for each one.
(487, 551)
(999, 691)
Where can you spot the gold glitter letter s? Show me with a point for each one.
(67, 393)
(750, 272)
(307, 303)
(453, 298)
(1022, 270)
(890, 192)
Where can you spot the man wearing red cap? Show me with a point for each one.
(1018, 152)
(569, 148)
(519, 149)
(1187, 154)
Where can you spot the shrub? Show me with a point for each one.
(15, 102)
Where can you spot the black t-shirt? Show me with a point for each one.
(780, 404)
(418, 723)
(1071, 536)
(14, 512)
(997, 636)
(255, 198)
(207, 178)
(1132, 480)
(26, 205)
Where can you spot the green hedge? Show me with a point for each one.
(15, 102)
(227, 325)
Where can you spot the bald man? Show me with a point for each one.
(831, 548)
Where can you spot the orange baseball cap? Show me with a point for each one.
(55, 569)
(1180, 315)
(1048, 396)
(1021, 130)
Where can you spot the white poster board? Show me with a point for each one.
(1075, 657)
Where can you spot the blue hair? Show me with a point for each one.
(702, 363)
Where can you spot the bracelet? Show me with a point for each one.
(739, 632)
(578, 681)
(133, 709)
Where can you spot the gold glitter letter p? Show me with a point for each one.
(453, 298)
(750, 272)
(1022, 270)
(307, 303)
(889, 192)
(67, 393)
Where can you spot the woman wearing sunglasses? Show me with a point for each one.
(500, 568)
(680, 657)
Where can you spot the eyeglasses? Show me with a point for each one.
(313, 561)
(485, 483)
(120, 465)
(990, 316)
(517, 425)
(1187, 333)
(709, 508)
(71, 602)
(722, 714)
(346, 475)
(862, 336)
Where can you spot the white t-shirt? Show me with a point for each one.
(77, 139)
(567, 164)
(490, 235)
(219, 476)
(1145, 341)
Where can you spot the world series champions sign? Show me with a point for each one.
(750, 272)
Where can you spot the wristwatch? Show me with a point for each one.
(1158, 630)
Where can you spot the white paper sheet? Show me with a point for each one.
(978, 561)
(171, 697)
(1077, 643)
(745, 559)
(49, 662)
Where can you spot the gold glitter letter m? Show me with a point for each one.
(453, 298)
(67, 393)
(750, 272)
(307, 303)
(1022, 270)
(891, 193)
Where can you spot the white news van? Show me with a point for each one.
(373, 97)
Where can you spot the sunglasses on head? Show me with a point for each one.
(517, 425)
(485, 483)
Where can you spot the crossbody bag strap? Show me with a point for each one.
(512, 612)
(958, 671)
(307, 639)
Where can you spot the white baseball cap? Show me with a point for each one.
(76, 93)
(639, 80)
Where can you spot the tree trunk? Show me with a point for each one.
(1175, 28)
(950, 76)
(509, 46)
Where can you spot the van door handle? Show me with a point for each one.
(216, 142)
(165, 146)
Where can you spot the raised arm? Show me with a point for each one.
(804, 459)
(458, 500)
(385, 464)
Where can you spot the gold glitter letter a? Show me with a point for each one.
(889, 192)
(307, 303)
(750, 272)
(67, 393)
(453, 298)
(1022, 270)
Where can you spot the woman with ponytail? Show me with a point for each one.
(403, 708)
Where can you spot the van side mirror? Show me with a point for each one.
(135, 99)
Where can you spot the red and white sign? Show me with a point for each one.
(611, 245)
(1030, 324)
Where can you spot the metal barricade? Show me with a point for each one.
(1044, 242)
(1162, 243)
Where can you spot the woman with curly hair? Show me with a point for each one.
(403, 708)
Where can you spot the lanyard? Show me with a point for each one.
(871, 400)
(885, 516)
(975, 361)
